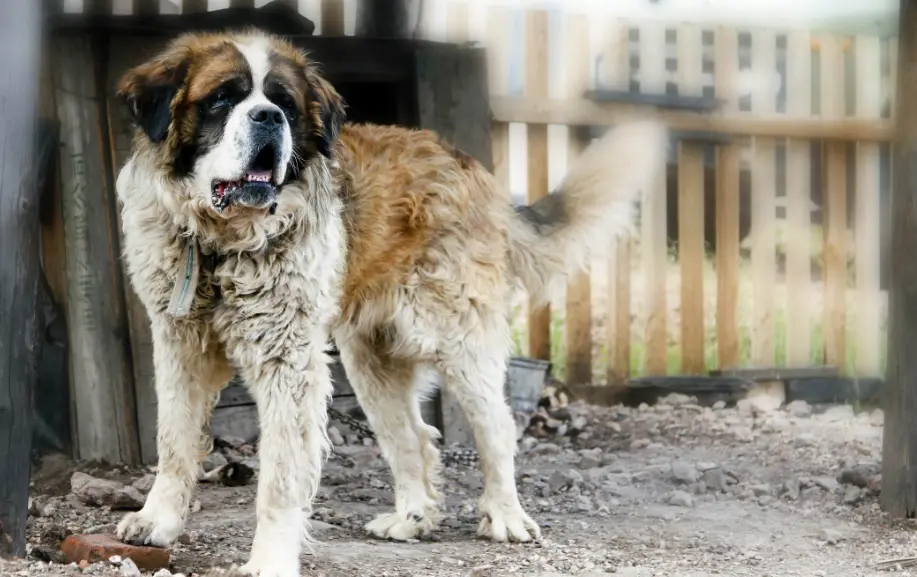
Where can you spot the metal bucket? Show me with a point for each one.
(524, 382)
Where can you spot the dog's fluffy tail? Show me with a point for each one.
(552, 238)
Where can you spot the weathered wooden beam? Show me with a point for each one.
(384, 18)
(104, 411)
(583, 112)
(20, 34)
(899, 446)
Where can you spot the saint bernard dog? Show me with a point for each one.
(258, 225)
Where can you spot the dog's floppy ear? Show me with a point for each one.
(326, 111)
(149, 91)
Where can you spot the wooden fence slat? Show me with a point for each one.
(869, 105)
(653, 249)
(798, 239)
(101, 371)
(892, 75)
(691, 210)
(498, 81)
(578, 314)
(835, 199)
(192, 6)
(726, 68)
(536, 84)
(332, 18)
(763, 203)
(615, 74)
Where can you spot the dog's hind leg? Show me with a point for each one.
(187, 381)
(474, 368)
(388, 391)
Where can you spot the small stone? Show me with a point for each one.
(638, 444)
(877, 417)
(83, 564)
(811, 494)
(852, 495)
(129, 569)
(715, 479)
(115, 559)
(826, 483)
(799, 408)
(214, 460)
(163, 573)
(803, 440)
(144, 483)
(765, 500)
(546, 449)
(589, 462)
(838, 413)
(855, 477)
(719, 405)
(254, 463)
(335, 436)
(874, 484)
(196, 506)
(564, 478)
(527, 444)
(831, 536)
(791, 489)
(95, 548)
(683, 473)
(681, 499)
(104, 493)
(675, 400)
(761, 490)
(703, 467)
(367, 442)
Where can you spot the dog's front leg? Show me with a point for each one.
(186, 382)
(292, 392)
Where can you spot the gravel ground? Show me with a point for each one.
(669, 490)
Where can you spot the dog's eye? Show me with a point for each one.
(284, 101)
(220, 98)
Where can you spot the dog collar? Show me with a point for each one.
(185, 288)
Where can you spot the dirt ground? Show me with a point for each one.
(670, 490)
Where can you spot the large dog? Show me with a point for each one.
(257, 225)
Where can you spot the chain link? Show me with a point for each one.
(451, 456)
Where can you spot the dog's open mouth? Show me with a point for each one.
(257, 188)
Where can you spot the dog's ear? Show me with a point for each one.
(326, 111)
(149, 91)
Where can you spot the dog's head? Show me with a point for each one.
(233, 116)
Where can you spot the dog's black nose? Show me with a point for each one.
(266, 115)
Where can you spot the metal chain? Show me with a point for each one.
(451, 456)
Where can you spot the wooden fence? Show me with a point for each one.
(760, 248)
(766, 249)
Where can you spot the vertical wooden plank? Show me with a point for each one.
(20, 265)
(799, 198)
(146, 7)
(536, 86)
(653, 249)
(899, 443)
(763, 203)
(498, 81)
(835, 255)
(100, 364)
(332, 18)
(615, 74)
(867, 227)
(691, 210)
(726, 66)
(578, 314)
(241, 3)
(192, 6)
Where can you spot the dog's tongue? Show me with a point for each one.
(258, 176)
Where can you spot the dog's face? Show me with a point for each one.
(234, 116)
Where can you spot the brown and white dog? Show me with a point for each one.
(257, 225)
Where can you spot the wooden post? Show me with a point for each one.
(536, 85)
(383, 18)
(332, 19)
(899, 447)
(578, 317)
(20, 34)
(104, 414)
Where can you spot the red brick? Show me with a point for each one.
(94, 548)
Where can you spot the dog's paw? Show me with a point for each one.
(145, 527)
(507, 523)
(400, 526)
